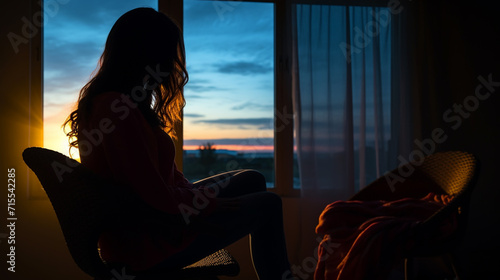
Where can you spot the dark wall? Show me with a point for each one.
(457, 81)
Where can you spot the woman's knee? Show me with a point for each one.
(271, 200)
(244, 182)
(254, 178)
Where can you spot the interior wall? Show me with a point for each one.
(40, 252)
(458, 83)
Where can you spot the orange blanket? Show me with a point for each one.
(370, 237)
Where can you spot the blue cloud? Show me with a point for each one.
(243, 68)
(199, 86)
(263, 123)
(253, 106)
(194, 115)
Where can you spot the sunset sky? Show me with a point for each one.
(229, 49)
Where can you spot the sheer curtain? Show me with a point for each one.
(349, 96)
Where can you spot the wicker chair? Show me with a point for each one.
(452, 173)
(86, 205)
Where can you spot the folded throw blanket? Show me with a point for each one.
(371, 236)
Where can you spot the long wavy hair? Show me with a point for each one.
(140, 43)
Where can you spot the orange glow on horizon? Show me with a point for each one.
(238, 148)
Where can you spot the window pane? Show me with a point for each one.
(74, 37)
(230, 95)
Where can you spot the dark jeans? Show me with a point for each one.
(257, 212)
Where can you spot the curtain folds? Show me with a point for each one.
(349, 96)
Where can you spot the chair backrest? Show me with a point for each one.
(452, 172)
(85, 204)
(446, 172)
(456, 174)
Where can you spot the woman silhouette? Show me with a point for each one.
(123, 127)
